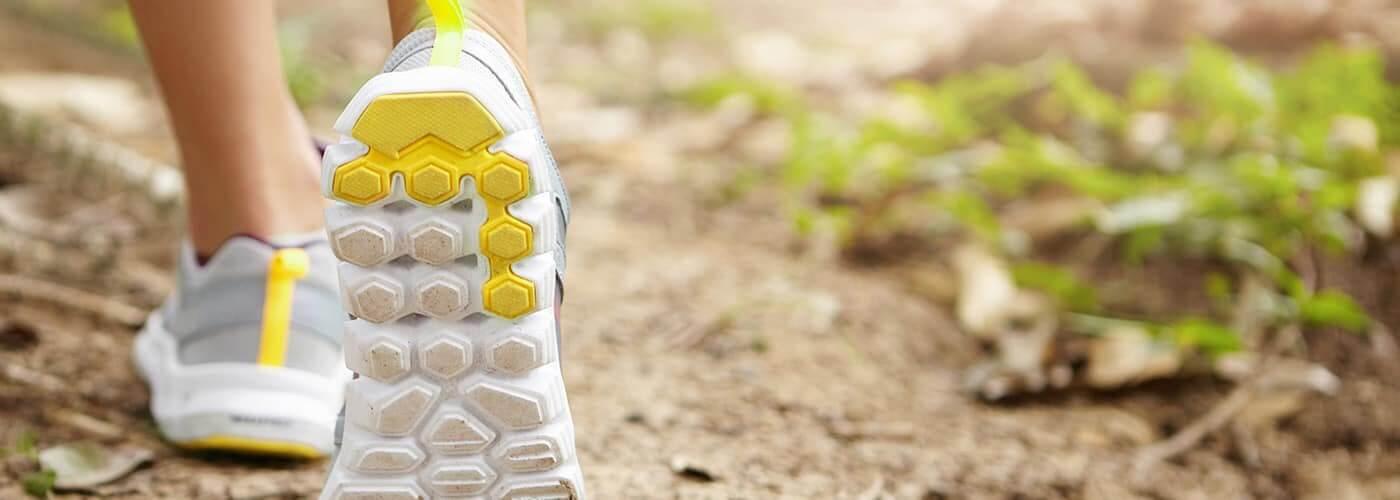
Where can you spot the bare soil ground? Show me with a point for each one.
(705, 358)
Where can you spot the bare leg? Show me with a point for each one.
(249, 164)
(503, 19)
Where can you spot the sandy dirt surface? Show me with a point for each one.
(706, 359)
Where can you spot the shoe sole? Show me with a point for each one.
(231, 408)
(447, 266)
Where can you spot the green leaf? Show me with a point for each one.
(85, 465)
(117, 22)
(1218, 288)
(972, 212)
(971, 105)
(1219, 84)
(1059, 283)
(768, 97)
(1335, 309)
(1333, 81)
(1150, 89)
(27, 443)
(1144, 242)
(39, 484)
(1073, 86)
(1208, 336)
(804, 221)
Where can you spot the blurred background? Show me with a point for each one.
(893, 249)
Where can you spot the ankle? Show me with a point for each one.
(263, 195)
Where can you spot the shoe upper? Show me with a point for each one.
(216, 312)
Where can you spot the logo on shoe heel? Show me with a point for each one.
(260, 420)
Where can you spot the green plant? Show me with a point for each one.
(1220, 160)
(38, 484)
(26, 444)
(35, 483)
(304, 77)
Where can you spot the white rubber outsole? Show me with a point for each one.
(454, 398)
(236, 407)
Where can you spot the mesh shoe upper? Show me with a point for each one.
(215, 314)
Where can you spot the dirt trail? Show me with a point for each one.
(704, 360)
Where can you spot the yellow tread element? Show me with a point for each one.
(250, 446)
(508, 295)
(432, 141)
(288, 265)
(456, 118)
(450, 23)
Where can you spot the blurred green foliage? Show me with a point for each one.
(118, 26)
(39, 484)
(26, 444)
(657, 19)
(1208, 336)
(304, 76)
(108, 24)
(1059, 283)
(1333, 308)
(26, 449)
(1219, 159)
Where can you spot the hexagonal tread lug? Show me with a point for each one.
(446, 357)
(508, 296)
(361, 183)
(378, 300)
(516, 410)
(363, 244)
(398, 414)
(442, 296)
(516, 354)
(508, 238)
(461, 478)
(435, 243)
(386, 360)
(457, 433)
(506, 181)
(431, 184)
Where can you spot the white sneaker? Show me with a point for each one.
(244, 356)
(449, 219)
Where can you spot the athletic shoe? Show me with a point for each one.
(449, 219)
(245, 355)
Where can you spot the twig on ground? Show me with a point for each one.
(1246, 444)
(1153, 454)
(1264, 376)
(106, 308)
(87, 153)
(86, 423)
(36, 379)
